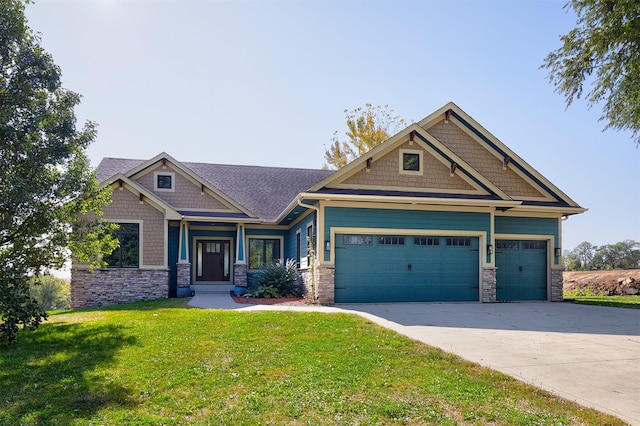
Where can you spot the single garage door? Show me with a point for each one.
(521, 270)
(384, 268)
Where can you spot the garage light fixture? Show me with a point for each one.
(489, 249)
(558, 252)
(327, 245)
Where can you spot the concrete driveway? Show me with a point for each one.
(586, 354)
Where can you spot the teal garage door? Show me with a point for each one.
(521, 270)
(383, 268)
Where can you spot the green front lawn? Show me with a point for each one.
(162, 363)
(631, 302)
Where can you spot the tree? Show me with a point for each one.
(48, 189)
(581, 257)
(50, 292)
(623, 254)
(367, 127)
(604, 45)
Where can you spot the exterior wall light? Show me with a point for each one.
(489, 249)
(558, 252)
(327, 245)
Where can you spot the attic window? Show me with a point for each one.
(410, 162)
(164, 181)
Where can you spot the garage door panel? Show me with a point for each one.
(413, 271)
(521, 270)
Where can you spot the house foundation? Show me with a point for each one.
(110, 286)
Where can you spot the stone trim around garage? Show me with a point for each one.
(111, 286)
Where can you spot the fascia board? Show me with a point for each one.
(411, 200)
(359, 162)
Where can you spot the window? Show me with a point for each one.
(311, 239)
(164, 181)
(262, 251)
(354, 240)
(298, 249)
(391, 241)
(426, 241)
(410, 162)
(128, 253)
(459, 242)
(535, 245)
(507, 245)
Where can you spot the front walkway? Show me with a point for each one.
(586, 354)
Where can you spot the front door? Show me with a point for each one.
(213, 260)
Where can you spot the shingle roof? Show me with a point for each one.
(264, 191)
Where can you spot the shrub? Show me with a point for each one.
(278, 279)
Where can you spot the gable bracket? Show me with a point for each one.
(447, 113)
(454, 166)
(505, 162)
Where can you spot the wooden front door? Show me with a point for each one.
(213, 260)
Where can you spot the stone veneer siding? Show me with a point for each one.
(240, 275)
(110, 286)
(556, 285)
(488, 285)
(325, 283)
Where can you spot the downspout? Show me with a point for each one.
(314, 284)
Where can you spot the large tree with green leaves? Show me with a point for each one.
(46, 184)
(366, 128)
(603, 51)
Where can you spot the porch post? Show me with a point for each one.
(240, 264)
(183, 266)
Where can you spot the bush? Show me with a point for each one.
(278, 279)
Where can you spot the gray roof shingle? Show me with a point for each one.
(264, 191)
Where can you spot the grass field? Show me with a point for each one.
(629, 302)
(160, 363)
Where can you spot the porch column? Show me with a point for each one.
(240, 264)
(183, 266)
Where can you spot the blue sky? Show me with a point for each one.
(267, 83)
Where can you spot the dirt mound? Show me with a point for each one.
(608, 283)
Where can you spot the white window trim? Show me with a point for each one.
(401, 169)
(155, 181)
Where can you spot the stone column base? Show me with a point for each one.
(240, 275)
(556, 285)
(488, 285)
(325, 284)
(184, 280)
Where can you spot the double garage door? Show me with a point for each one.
(390, 268)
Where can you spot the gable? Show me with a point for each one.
(486, 163)
(185, 193)
(385, 173)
